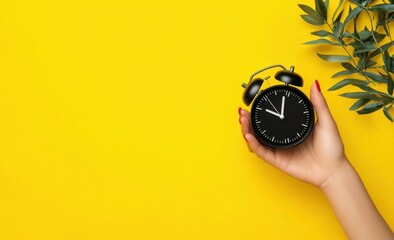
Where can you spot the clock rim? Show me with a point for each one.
(293, 144)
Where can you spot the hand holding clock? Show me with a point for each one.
(321, 161)
(313, 161)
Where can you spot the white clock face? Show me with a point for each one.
(282, 116)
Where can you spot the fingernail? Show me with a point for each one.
(245, 138)
(239, 110)
(318, 85)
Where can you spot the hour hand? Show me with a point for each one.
(273, 113)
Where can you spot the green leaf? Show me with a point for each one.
(312, 13)
(362, 56)
(363, 61)
(387, 61)
(390, 84)
(321, 9)
(382, 8)
(346, 82)
(338, 29)
(336, 10)
(308, 10)
(349, 67)
(355, 29)
(375, 77)
(390, 17)
(378, 36)
(387, 114)
(392, 65)
(365, 34)
(352, 14)
(368, 89)
(381, 19)
(383, 48)
(356, 95)
(342, 73)
(322, 33)
(334, 58)
(326, 3)
(321, 41)
(372, 107)
(353, 36)
(311, 20)
(370, 63)
(361, 48)
(359, 103)
(338, 19)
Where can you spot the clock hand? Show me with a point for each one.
(282, 111)
(273, 113)
(273, 106)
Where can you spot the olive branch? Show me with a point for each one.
(367, 62)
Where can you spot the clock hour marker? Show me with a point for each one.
(300, 101)
(258, 122)
(288, 93)
(298, 135)
(259, 108)
(273, 138)
(276, 92)
(264, 131)
(306, 112)
(304, 125)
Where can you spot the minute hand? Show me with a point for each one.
(282, 110)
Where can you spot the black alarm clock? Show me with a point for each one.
(281, 116)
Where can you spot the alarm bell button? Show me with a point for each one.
(251, 90)
(288, 77)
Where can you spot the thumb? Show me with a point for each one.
(320, 105)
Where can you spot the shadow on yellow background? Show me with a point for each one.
(118, 120)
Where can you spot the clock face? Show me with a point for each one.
(282, 116)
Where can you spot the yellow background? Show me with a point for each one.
(118, 120)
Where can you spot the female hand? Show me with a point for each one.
(313, 161)
(321, 161)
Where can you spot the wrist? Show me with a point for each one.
(344, 174)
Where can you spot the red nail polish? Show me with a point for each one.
(239, 110)
(318, 85)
